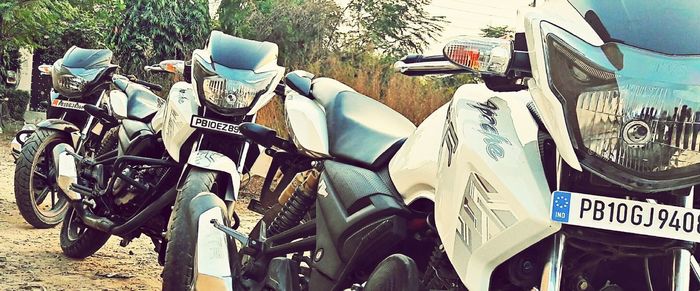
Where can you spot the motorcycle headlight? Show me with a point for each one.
(632, 114)
(231, 91)
(226, 95)
(71, 83)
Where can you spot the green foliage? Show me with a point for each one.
(303, 29)
(16, 103)
(497, 31)
(150, 31)
(23, 23)
(394, 27)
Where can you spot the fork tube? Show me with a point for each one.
(681, 257)
(551, 276)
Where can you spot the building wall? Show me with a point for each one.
(25, 71)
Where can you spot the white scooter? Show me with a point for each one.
(572, 168)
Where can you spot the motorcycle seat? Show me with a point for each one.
(361, 130)
(142, 104)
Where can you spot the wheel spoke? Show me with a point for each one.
(40, 175)
(53, 199)
(40, 198)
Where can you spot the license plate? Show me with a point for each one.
(215, 125)
(626, 216)
(68, 104)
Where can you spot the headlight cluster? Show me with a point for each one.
(230, 94)
(71, 83)
(230, 91)
(625, 107)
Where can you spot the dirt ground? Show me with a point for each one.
(31, 259)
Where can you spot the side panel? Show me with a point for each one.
(414, 167)
(307, 124)
(492, 199)
(181, 106)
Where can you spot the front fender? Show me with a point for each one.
(61, 125)
(58, 124)
(211, 160)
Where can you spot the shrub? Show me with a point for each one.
(16, 103)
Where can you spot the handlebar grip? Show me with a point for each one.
(410, 59)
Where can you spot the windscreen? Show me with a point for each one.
(664, 26)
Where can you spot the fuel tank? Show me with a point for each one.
(492, 199)
(414, 167)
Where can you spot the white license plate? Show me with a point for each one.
(626, 216)
(68, 104)
(215, 125)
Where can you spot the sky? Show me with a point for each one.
(467, 17)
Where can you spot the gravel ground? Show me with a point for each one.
(31, 259)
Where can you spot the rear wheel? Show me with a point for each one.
(79, 241)
(36, 194)
(179, 255)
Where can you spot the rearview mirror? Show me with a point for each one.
(485, 55)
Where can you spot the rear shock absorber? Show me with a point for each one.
(296, 205)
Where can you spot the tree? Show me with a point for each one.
(394, 27)
(154, 30)
(303, 29)
(497, 31)
(23, 23)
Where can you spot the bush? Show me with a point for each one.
(16, 103)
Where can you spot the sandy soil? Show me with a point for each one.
(31, 259)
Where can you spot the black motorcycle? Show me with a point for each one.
(81, 77)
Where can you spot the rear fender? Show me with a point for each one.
(63, 126)
(211, 160)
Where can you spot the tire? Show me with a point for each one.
(79, 241)
(29, 161)
(179, 254)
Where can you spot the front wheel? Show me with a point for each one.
(179, 254)
(36, 194)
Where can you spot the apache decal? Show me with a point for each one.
(68, 104)
(450, 139)
(488, 128)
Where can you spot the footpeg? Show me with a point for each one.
(237, 235)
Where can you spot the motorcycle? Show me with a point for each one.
(569, 168)
(81, 77)
(191, 144)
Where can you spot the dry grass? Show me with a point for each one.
(413, 97)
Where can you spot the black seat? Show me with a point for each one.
(361, 130)
(142, 104)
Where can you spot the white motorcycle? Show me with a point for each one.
(168, 152)
(570, 168)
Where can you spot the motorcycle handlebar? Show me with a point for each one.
(152, 86)
(419, 65)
